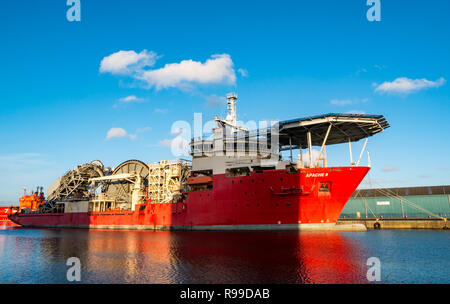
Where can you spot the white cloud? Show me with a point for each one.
(161, 111)
(348, 101)
(405, 85)
(217, 69)
(243, 72)
(375, 67)
(341, 102)
(131, 98)
(355, 112)
(125, 62)
(119, 133)
(116, 132)
(363, 70)
(380, 67)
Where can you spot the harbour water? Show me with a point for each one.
(40, 255)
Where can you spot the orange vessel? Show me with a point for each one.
(28, 202)
(32, 201)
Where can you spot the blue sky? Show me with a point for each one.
(285, 59)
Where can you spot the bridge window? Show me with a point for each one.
(259, 169)
(202, 187)
(232, 172)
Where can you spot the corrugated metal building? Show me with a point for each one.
(398, 202)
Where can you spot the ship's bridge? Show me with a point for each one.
(232, 145)
(301, 133)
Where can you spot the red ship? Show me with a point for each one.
(28, 202)
(4, 220)
(237, 180)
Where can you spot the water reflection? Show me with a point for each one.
(276, 257)
(39, 256)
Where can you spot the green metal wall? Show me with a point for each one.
(438, 204)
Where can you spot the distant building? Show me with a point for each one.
(407, 202)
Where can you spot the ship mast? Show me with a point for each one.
(231, 118)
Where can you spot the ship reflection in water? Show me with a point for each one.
(39, 256)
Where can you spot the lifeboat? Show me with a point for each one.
(199, 180)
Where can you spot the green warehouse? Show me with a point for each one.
(398, 203)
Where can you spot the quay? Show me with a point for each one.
(426, 207)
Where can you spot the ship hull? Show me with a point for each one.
(268, 200)
(4, 220)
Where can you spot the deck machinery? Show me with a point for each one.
(132, 182)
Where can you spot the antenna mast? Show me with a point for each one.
(231, 118)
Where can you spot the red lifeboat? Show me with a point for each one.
(199, 180)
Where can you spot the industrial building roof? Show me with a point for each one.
(406, 191)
